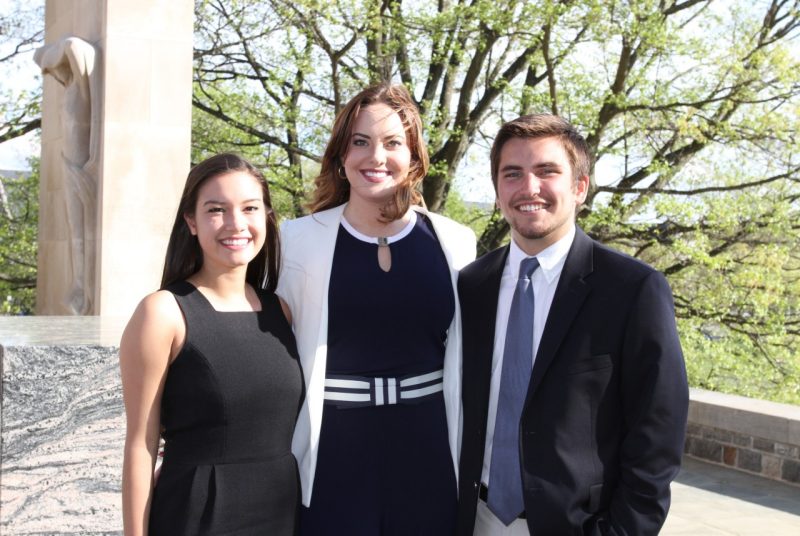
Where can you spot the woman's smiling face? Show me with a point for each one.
(378, 156)
(229, 220)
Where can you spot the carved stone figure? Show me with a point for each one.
(72, 62)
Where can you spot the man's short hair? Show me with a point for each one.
(544, 126)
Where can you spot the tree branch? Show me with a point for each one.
(248, 129)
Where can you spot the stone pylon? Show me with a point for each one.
(116, 133)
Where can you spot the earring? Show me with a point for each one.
(342, 174)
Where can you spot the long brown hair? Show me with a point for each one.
(332, 189)
(184, 256)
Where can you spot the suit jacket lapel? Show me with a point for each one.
(570, 294)
(486, 289)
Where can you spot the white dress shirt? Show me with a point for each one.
(544, 280)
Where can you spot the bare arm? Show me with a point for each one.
(151, 339)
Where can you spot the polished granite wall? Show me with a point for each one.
(62, 426)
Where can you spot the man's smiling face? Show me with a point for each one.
(537, 192)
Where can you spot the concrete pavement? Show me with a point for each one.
(709, 500)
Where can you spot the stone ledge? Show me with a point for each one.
(61, 330)
(750, 435)
(62, 430)
(62, 425)
(747, 416)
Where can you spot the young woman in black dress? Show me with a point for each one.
(210, 362)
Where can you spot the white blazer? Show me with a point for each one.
(307, 251)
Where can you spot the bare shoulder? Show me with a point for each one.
(158, 308)
(157, 322)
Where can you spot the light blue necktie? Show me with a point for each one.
(505, 479)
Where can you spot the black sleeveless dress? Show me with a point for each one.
(228, 411)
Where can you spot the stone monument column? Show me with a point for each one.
(116, 133)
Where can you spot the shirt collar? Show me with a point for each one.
(551, 259)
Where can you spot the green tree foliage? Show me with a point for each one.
(21, 31)
(690, 108)
(19, 219)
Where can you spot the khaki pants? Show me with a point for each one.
(487, 524)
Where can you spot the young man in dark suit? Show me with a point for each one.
(574, 385)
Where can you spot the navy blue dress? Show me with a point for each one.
(386, 470)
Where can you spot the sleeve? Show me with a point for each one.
(463, 244)
(655, 401)
(470, 246)
(292, 276)
(456, 239)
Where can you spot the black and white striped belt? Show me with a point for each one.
(347, 391)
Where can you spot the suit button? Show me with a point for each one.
(475, 485)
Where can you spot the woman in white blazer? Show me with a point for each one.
(370, 278)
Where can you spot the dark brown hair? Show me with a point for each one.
(544, 126)
(184, 256)
(331, 189)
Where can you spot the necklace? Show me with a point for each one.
(383, 242)
(384, 254)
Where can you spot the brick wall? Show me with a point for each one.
(754, 436)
